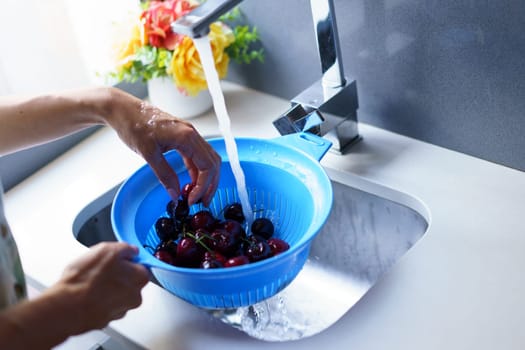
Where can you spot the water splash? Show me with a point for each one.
(208, 64)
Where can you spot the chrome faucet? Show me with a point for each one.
(329, 106)
(197, 22)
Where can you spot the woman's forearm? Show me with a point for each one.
(145, 129)
(29, 121)
(38, 323)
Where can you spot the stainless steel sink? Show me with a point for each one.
(369, 229)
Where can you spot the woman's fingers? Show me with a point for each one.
(165, 173)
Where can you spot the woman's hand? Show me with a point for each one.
(99, 287)
(150, 132)
(103, 284)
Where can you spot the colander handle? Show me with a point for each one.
(145, 259)
(309, 143)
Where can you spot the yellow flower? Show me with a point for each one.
(185, 66)
(126, 49)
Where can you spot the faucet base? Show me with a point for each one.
(330, 112)
(343, 135)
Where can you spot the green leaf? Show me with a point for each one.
(242, 50)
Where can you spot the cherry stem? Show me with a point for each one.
(199, 240)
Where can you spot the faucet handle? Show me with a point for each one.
(299, 119)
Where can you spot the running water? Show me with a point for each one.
(208, 64)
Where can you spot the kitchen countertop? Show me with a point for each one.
(460, 287)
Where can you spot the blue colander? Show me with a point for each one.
(285, 183)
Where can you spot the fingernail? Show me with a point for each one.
(173, 194)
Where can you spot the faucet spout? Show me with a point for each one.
(325, 25)
(197, 23)
(329, 106)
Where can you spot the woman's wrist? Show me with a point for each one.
(97, 105)
(111, 105)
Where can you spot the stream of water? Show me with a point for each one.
(208, 64)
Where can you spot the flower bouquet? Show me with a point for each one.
(151, 52)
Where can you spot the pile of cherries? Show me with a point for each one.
(201, 240)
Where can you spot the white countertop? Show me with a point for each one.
(460, 287)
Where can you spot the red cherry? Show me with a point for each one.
(203, 237)
(214, 256)
(185, 191)
(211, 264)
(237, 261)
(203, 220)
(212, 260)
(258, 251)
(234, 212)
(278, 245)
(170, 208)
(165, 228)
(169, 245)
(262, 227)
(182, 211)
(165, 256)
(232, 226)
(224, 241)
(189, 253)
(179, 213)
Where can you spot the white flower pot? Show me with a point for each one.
(163, 93)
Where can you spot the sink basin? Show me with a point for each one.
(369, 229)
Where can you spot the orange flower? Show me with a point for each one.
(158, 18)
(186, 67)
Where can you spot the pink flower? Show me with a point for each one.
(158, 17)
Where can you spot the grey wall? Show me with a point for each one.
(449, 72)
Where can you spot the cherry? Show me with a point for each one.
(212, 260)
(258, 251)
(165, 256)
(278, 245)
(211, 264)
(252, 239)
(165, 228)
(232, 226)
(189, 253)
(186, 189)
(211, 255)
(169, 246)
(170, 208)
(225, 242)
(246, 242)
(237, 261)
(203, 220)
(234, 212)
(180, 212)
(262, 227)
(203, 236)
